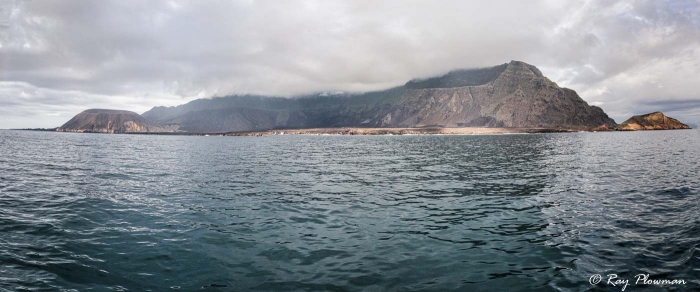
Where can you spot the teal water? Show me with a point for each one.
(347, 213)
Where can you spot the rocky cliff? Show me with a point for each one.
(515, 94)
(652, 121)
(110, 121)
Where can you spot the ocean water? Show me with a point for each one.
(539, 212)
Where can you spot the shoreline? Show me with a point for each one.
(354, 131)
(357, 131)
(351, 131)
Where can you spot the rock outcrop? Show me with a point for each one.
(652, 121)
(600, 128)
(515, 94)
(111, 121)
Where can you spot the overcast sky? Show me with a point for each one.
(58, 58)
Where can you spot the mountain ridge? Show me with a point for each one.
(514, 94)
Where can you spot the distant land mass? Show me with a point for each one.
(513, 96)
(110, 121)
(652, 121)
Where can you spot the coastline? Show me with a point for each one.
(354, 131)
(358, 131)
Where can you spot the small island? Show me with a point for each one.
(651, 121)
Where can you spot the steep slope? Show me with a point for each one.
(515, 94)
(652, 121)
(110, 121)
(519, 97)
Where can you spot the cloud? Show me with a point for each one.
(67, 56)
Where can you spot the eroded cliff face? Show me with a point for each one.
(519, 97)
(111, 121)
(515, 94)
(652, 121)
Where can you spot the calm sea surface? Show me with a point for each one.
(348, 213)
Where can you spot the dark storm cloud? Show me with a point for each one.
(60, 57)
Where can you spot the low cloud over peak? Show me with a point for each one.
(59, 58)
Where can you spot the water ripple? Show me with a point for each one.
(442, 213)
